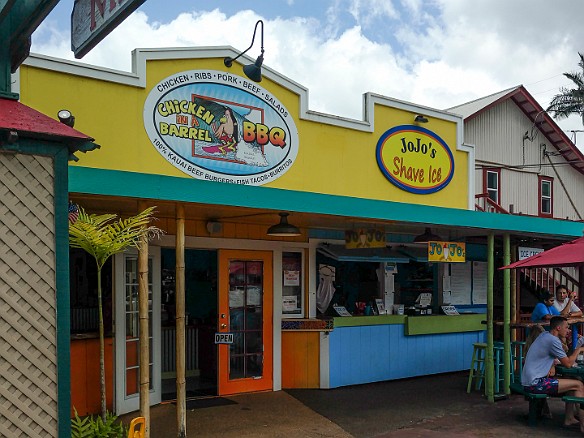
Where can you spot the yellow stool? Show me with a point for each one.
(477, 365)
(137, 428)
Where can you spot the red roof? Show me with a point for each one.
(15, 116)
(540, 118)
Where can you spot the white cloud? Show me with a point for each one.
(455, 51)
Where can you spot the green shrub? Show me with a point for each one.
(90, 427)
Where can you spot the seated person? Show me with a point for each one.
(538, 372)
(544, 310)
(565, 303)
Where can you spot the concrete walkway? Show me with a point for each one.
(433, 406)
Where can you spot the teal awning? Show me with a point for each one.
(376, 255)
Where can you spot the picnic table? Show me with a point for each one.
(529, 324)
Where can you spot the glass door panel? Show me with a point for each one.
(245, 310)
(128, 330)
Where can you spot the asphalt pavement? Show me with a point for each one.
(423, 407)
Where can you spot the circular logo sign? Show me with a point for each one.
(220, 127)
(415, 159)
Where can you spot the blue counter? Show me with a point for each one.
(371, 349)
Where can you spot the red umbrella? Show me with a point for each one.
(567, 254)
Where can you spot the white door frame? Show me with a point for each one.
(123, 403)
(191, 242)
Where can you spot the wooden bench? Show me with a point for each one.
(536, 402)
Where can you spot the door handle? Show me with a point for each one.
(223, 316)
(223, 326)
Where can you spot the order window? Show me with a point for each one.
(292, 284)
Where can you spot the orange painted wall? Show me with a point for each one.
(300, 359)
(85, 376)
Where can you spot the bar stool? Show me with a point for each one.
(477, 365)
(498, 356)
(517, 360)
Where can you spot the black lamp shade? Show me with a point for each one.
(254, 71)
(426, 236)
(283, 228)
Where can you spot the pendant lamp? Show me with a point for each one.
(283, 228)
(252, 71)
(426, 236)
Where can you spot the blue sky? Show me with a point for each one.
(438, 53)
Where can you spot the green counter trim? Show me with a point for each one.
(357, 321)
(63, 293)
(427, 325)
(149, 186)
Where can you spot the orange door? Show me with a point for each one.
(245, 310)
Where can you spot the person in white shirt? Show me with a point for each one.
(565, 303)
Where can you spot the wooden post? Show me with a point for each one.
(514, 292)
(506, 314)
(144, 341)
(489, 370)
(180, 323)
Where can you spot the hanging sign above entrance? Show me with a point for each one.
(216, 126)
(415, 159)
(93, 20)
(447, 252)
(365, 238)
(524, 252)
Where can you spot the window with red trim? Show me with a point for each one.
(492, 184)
(546, 196)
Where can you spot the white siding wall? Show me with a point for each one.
(498, 138)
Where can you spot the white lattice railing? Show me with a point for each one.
(168, 341)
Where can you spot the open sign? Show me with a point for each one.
(224, 338)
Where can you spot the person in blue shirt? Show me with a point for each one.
(545, 310)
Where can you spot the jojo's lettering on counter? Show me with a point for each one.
(415, 159)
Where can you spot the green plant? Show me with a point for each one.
(90, 427)
(102, 236)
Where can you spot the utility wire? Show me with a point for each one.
(521, 166)
(564, 187)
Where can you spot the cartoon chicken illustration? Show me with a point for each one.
(225, 128)
(227, 132)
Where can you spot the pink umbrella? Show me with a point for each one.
(566, 254)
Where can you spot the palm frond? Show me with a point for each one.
(105, 235)
(570, 101)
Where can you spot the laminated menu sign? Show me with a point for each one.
(291, 278)
(236, 298)
(380, 306)
(479, 283)
(341, 311)
(289, 303)
(254, 296)
(460, 283)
